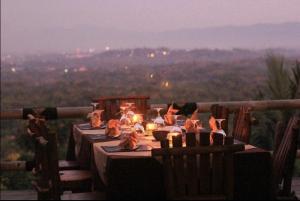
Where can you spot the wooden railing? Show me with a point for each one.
(203, 107)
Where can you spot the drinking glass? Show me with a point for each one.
(159, 120)
(176, 128)
(94, 104)
(220, 130)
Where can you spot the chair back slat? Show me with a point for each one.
(217, 166)
(279, 133)
(284, 159)
(242, 124)
(191, 180)
(197, 171)
(204, 165)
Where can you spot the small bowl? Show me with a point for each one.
(160, 135)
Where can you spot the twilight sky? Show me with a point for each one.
(146, 15)
(58, 25)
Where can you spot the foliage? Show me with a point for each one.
(283, 83)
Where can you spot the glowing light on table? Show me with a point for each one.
(150, 127)
(137, 118)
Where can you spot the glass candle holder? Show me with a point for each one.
(150, 127)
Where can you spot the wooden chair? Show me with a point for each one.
(111, 105)
(71, 164)
(242, 124)
(50, 181)
(221, 112)
(279, 133)
(284, 159)
(198, 172)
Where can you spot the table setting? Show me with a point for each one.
(136, 134)
(100, 144)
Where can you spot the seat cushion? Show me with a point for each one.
(68, 165)
(75, 175)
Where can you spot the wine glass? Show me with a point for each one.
(94, 104)
(158, 111)
(159, 120)
(96, 118)
(176, 128)
(125, 117)
(219, 126)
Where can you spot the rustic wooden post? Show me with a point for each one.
(204, 165)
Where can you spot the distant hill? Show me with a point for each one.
(284, 35)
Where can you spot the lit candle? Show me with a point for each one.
(137, 118)
(150, 127)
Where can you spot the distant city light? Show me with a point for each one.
(13, 70)
(107, 48)
(151, 76)
(91, 50)
(66, 70)
(166, 84)
(164, 53)
(151, 55)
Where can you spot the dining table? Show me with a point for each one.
(137, 175)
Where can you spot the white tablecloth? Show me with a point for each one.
(77, 134)
(101, 156)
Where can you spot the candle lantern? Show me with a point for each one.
(150, 127)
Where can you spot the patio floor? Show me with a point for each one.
(31, 194)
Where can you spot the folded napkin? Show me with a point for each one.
(113, 128)
(169, 119)
(195, 115)
(130, 141)
(189, 126)
(212, 124)
(95, 118)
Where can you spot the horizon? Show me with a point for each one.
(33, 26)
